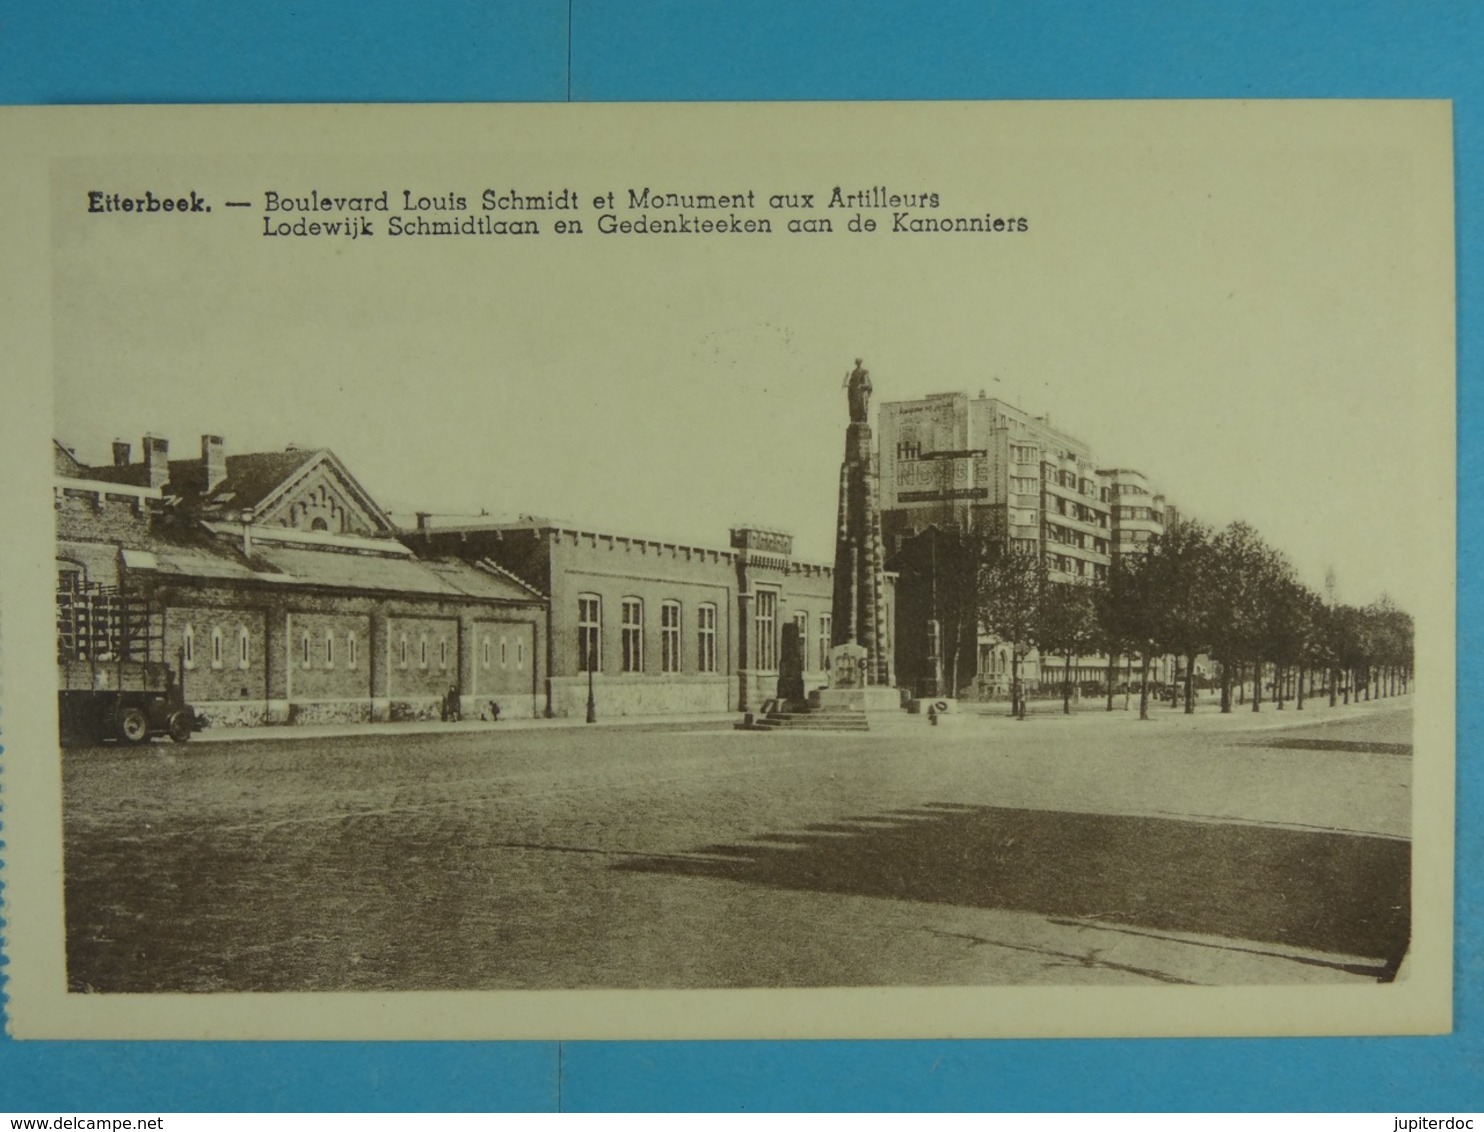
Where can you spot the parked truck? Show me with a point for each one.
(115, 681)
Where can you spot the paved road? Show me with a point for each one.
(984, 851)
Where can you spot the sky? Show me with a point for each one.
(1252, 303)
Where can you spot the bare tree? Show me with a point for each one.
(1180, 562)
(1010, 586)
(1067, 627)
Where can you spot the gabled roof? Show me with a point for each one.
(379, 518)
(133, 475)
(254, 481)
(251, 476)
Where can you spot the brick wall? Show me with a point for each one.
(504, 667)
(354, 670)
(226, 670)
(92, 562)
(328, 666)
(110, 520)
(423, 664)
(652, 573)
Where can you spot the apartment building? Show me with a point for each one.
(954, 462)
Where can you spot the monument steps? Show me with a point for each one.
(805, 718)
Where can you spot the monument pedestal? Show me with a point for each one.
(872, 698)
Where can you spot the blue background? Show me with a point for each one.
(608, 50)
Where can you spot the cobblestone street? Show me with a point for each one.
(1061, 850)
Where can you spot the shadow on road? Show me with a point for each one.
(1339, 893)
(1336, 745)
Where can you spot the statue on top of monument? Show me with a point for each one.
(858, 391)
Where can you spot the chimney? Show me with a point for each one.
(156, 461)
(422, 520)
(213, 462)
(121, 453)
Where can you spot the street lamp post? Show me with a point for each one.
(592, 703)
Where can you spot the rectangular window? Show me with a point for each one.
(670, 636)
(589, 633)
(825, 625)
(706, 638)
(633, 634)
(766, 622)
(801, 624)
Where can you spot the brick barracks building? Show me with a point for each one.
(285, 593)
(290, 596)
(665, 627)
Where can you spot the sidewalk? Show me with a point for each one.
(711, 722)
(1206, 716)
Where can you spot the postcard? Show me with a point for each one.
(728, 571)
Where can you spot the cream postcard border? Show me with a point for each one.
(39, 1006)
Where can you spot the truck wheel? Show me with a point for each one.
(133, 725)
(180, 726)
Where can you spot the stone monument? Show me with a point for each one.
(860, 675)
(860, 664)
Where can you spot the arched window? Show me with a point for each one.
(670, 636)
(350, 650)
(306, 649)
(442, 652)
(706, 637)
(188, 645)
(319, 524)
(633, 634)
(765, 619)
(216, 648)
(520, 654)
(589, 633)
(244, 650)
(329, 648)
(402, 651)
(485, 650)
(422, 651)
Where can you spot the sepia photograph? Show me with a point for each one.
(735, 571)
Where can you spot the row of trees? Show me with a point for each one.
(1226, 594)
